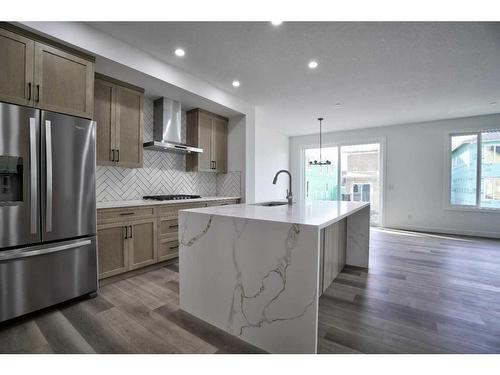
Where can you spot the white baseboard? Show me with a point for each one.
(446, 231)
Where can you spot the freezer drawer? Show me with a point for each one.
(36, 277)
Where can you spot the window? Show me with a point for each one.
(321, 180)
(352, 175)
(475, 170)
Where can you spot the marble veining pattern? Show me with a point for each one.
(195, 238)
(267, 294)
(255, 286)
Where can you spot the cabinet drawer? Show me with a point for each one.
(124, 214)
(168, 227)
(168, 250)
(172, 211)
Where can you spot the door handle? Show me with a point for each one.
(37, 93)
(131, 231)
(23, 253)
(215, 164)
(118, 155)
(29, 91)
(33, 177)
(126, 231)
(112, 151)
(48, 162)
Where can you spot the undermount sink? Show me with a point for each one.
(271, 204)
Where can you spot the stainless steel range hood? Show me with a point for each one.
(167, 128)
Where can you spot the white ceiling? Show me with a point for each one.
(381, 73)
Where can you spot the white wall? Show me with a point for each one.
(415, 174)
(271, 155)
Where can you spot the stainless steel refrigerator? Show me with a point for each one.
(47, 209)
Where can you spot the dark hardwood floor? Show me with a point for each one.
(423, 294)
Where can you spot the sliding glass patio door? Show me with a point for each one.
(353, 175)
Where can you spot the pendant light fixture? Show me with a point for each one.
(320, 162)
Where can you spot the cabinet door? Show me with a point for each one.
(63, 82)
(16, 68)
(112, 250)
(205, 142)
(142, 243)
(104, 114)
(129, 125)
(219, 144)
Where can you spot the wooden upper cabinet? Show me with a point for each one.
(35, 73)
(63, 82)
(207, 131)
(104, 114)
(204, 128)
(119, 113)
(16, 68)
(219, 144)
(129, 120)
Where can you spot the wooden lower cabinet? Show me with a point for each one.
(125, 246)
(168, 244)
(143, 249)
(333, 252)
(112, 249)
(135, 237)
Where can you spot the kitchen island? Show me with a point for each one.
(258, 271)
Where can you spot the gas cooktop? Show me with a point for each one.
(171, 197)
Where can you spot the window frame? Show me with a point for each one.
(448, 164)
(382, 141)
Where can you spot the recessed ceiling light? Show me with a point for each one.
(180, 52)
(236, 83)
(276, 23)
(312, 64)
(338, 104)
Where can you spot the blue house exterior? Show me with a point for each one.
(464, 170)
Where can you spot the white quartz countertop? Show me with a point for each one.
(316, 213)
(147, 202)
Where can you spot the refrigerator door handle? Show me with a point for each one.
(23, 253)
(33, 177)
(48, 150)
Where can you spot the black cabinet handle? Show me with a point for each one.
(126, 213)
(131, 231)
(215, 164)
(126, 232)
(174, 226)
(29, 91)
(118, 155)
(37, 93)
(112, 151)
(174, 247)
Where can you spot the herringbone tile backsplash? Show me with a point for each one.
(163, 173)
